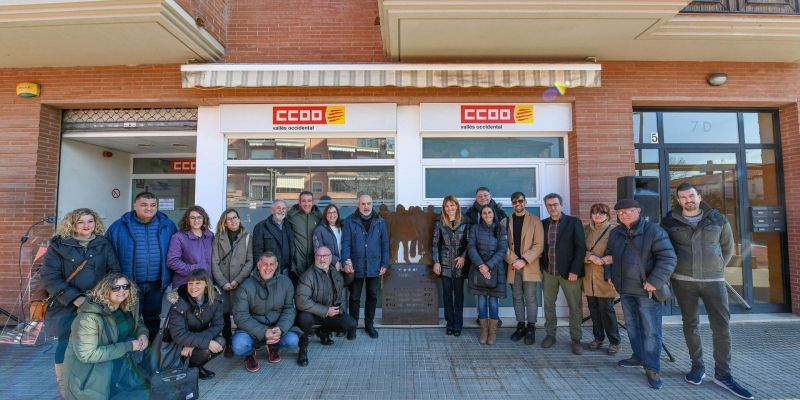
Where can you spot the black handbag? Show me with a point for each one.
(164, 354)
(480, 281)
(179, 383)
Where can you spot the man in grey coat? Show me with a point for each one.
(703, 241)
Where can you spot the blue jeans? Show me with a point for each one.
(488, 307)
(643, 320)
(243, 342)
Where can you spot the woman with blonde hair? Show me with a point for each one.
(448, 250)
(108, 327)
(79, 250)
(231, 264)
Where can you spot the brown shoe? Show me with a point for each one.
(548, 341)
(492, 339)
(612, 349)
(577, 348)
(484, 331)
(595, 344)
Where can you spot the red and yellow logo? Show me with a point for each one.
(308, 115)
(496, 114)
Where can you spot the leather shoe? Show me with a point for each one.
(228, 351)
(351, 335)
(548, 341)
(449, 332)
(324, 337)
(372, 332)
(577, 348)
(456, 333)
(204, 374)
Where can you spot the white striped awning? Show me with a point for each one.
(398, 75)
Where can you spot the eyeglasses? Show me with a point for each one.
(599, 213)
(323, 255)
(197, 218)
(553, 205)
(232, 219)
(117, 288)
(628, 211)
(333, 212)
(518, 201)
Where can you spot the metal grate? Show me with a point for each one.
(129, 119)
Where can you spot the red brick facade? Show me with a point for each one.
(600, 147)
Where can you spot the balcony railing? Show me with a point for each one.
(789, 7)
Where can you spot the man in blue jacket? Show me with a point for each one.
(141, 239)
(639, 258)
(365, 249)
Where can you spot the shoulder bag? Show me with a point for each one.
(39, 307)
(661, 294)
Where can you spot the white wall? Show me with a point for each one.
(86, 179)
(211, 152)
(408, 147)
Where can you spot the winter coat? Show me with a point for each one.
(303, 227)
(323, 236)
(62, 258)
(89, 359)
(487, 244)
(473, 214)
(231, 262)
(570, 246)
(369, 251)
(191, 324)
(647, 241)
(125, 233)
(594, 282)
(448, 244)
(531, 246)
(259, 305)
(316, 290)
(268, 237)
(188, 252)
(704, 251)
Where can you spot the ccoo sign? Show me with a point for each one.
(496, 114)
(183, 166)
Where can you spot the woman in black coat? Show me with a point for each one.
(79, 238)
(195, 320)
(449, 250)
(487, 246)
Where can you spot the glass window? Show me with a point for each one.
(700, 127)
(174, 195)
(646, 162)
(461, 182)
(645, 128)
(251, 190)
(162, 166)
(493, 147)
(758, 128)
(310, 149)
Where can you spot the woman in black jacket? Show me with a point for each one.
(195, 321)
(78, 241)
(487, 246)
(449, 249)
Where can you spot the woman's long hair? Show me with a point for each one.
(443, 217)
(202, 275)
(221, 228)
(183, 224)
(100, 293)
(338, 222)
(66, 227)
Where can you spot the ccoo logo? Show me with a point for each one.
(496, 114)
(308, 115)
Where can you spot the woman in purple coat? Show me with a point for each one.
(190, 247)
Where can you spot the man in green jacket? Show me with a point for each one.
(703, 241)
(303, 217)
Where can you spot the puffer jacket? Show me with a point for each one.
(473, 214)
(704, 251)
(194, 325)
(656, 250)
(369, 251)
(188, 252)
(231, 262)
(62, 258)
(126, 235)
(447, 245)
(487, 244)
(316, 290)
(323, 236)
(303, 228)
(89, 359)
(260, 305)
(594, 281)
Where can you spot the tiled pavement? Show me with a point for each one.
(425, 364)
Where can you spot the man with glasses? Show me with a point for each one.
(274, 236)
(525, 245)
(141, 239)
(319, 298)
(562, 266)
(636, 249)
(483, 197)
(704, 243)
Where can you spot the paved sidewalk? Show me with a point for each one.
(425, 364)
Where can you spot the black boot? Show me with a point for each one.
(519, 333)
(302, 354)
(530, 334)
(324, 337)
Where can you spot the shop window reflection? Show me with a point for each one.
(311, 149)
(768, 279)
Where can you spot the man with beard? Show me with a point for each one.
(703, 241)
(274, 236)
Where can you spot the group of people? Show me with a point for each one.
(301, 272)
